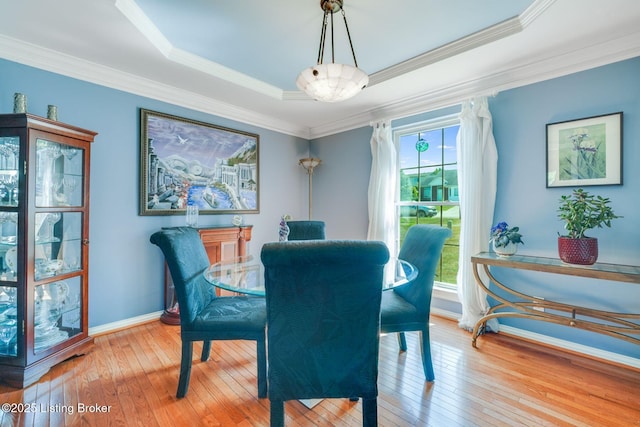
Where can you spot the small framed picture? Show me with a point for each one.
(585, 152)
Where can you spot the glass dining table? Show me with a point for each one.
(245, 275)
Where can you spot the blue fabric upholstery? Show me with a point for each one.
(306, 230)
(407, 307)
(323, 311)
(203, 315)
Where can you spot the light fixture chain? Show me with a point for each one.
(323, 34)
(355, 62)
(333, 52)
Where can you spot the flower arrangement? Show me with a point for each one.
(502, 235)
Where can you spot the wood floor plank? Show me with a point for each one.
(505, 382)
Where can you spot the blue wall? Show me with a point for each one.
(520, 116)
(126, 271)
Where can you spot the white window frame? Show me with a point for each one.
(440, 290)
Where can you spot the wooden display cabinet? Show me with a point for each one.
(221, 243)
(44, 245)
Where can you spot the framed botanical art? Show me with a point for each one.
(184, 162)
(585, 152)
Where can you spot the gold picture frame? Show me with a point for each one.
(186, 162)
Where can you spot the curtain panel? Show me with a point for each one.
(477, 180)
(382, 185)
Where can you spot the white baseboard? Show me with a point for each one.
(591, 352)
(573, 347)
(122, 324)
(445, 313)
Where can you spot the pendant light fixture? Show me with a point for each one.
(332, 82)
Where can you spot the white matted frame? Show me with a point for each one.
(585, 152)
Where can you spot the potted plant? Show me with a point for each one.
(505, 239)
(581, 212)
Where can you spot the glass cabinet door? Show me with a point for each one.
(59, 178)
(9, 180)
(58, 245)
(59, 183)
(58, 312)
(8, 320)
(9, 155)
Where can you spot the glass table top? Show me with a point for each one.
(246, 275)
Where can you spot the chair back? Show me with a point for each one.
(323, 311)
(186, 258)
(422, 247)
(306, 230)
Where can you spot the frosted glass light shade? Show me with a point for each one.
(309, 163)
(332, 82)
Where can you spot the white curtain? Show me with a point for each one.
(477, 181)
(382, 183)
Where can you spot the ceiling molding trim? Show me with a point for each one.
(148, 29)
(540, 69)
(534, 10)
(213, 68)
(66, 65)
(496, 32)
(141, 21)
(480, 38)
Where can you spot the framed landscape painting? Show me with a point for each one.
(585, 152)
(185, 162)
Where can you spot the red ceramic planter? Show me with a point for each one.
(582, 251)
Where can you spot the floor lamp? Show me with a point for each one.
(309, 164)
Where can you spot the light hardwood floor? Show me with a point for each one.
(505, 382)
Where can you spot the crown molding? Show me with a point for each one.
(147, 28)
(538, 69)
(472, 41)
(70, 66)
(534, 10)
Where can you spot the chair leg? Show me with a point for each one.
(277, 413)
(262, 368)
(206, 351)
(369, 412)
(402, 341)
(185, 368)
(425, 349)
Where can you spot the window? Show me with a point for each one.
(428, 186)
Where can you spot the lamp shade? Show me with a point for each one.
(309, 163)
(332, 82)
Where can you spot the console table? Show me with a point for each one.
(618, 325)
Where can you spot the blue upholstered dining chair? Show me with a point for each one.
(323, 311)
(203, 315)
(306, 230)
(407, 307)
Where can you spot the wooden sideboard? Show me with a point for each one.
(618, 325)
(221, 243)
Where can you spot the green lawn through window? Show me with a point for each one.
(449, 217)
